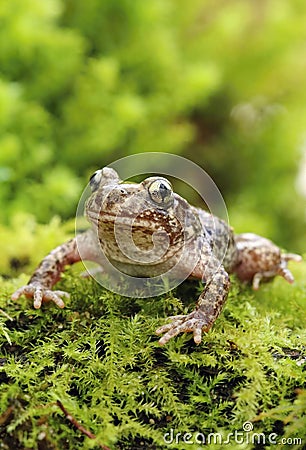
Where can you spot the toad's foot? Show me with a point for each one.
(194, 322)
(281, 270)
(40, 294)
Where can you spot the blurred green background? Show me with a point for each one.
(83, 83)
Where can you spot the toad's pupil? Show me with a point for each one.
(163, 190)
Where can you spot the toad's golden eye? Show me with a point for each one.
(161, 191)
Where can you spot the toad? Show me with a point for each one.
(162, 231)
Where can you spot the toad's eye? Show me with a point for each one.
(95, 179)
(161, 191)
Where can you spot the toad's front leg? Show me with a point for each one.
(209, 305)
(50, 269)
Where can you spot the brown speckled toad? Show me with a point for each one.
(218, 250)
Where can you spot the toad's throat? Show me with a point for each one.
(138, 243)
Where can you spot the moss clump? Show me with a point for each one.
(83, 83)
(99, 356)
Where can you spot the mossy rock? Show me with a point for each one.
(100, 358)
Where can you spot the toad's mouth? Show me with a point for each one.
(142, 226)
(146, 219)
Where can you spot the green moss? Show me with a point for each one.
(26, 242)
(100, 357)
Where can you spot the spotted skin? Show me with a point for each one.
(209, 305)
(260, 259)
(160, 220)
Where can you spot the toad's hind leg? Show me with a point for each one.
(259, 258)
